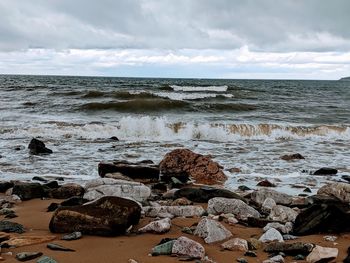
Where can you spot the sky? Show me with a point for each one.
(244, 39)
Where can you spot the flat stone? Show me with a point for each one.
(159, 226)
(275, 259)
(25, 256)
(235, 244)
(260, 195)
(323, 254)
(211, 231)
(54, 246)
(8, 227)
(184, 246)
(21, 241)
(292, 249)
(72, 236)
(176, 211)
(46, 259)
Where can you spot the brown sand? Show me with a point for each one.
(32, 214)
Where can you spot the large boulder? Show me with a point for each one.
(241, 210)
(67, 191)
(326, 171)
(4, 186)
(27, 191)
(174, 211)
(183, 164)
(186, 247)
(283, 214)
(322, 254)
(211, 231)
(107, 216)
(38, 147)
(338, 190)
(260, 195)
(323, 218)
(203, 194)
(112, 187)
(141, 171)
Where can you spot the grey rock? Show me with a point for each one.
(54, 246)
(25, 256)
(285, 229)
(260, 195)
(241, 210)
(292, 249)
(275, 259)
(242, 260)
(184, 246)
(271, 235)
(267, 205)
(235, 244)
(211, 231)
(322, 254)
(282, 214)
(159, 226)
(176, 211)
(46, 259)
(338, 190)
(289, 237)
(72, 236)
(8, 226)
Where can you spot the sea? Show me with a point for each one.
(245, 125)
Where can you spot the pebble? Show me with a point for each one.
(54, 246)
(72, 236)
(25, 256)
(242, 260)
(46, 259)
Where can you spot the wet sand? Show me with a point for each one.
(32, 214)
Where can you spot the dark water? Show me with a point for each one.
(242, 123)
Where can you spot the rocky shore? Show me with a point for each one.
(175, 210)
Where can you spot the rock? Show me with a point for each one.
(27, 191)
(347, 259)
(244, 188)
(183, 164)
(285, 229)
(140, 171)
(307, 190)
(72, 236)
(67, 191)
(37, 147)
(338, 190)
(188, 230)
(181, 201)
(11, 227)
(271, 235)
(107, 216)
(114, 138)
(250, 254)
(4, 186)
(254, 244)
(184, 246)
(204, 194)
(267, 205)
(322, 254)
(163, 249)
(326, 171)
(242, 260)
(120, 188)
(211, 231)
(266, 183)
(241, 210)
(51, 185)
(231, 220)
(25, 256)
(170, 194)
(6, 211)
(275, 259)
(330, 238)
(258, 222)
(295, 156)
(323, 218)
(159, 226)
(260, 195)
(176, 211)
(299, 257)
(289, 237)
(118, 176)
(52, 207)
(46, 259)
(54, 246)
(75, 200)
(282, 214)
(235, 244)
(39, 178)
(21, 241)
(291, 249)
(346, 178)
(132, 260)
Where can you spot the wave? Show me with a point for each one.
(191, 96)
(199, 88)
(132, 128)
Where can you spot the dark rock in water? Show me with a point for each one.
(114, 138)
(4, 186)
(295, 156)
(291, 249)
(54, 246)
(72, 236)
(38, 178)
(38, 147)
(25, 256)
(183, 164)
(323, 218)
(266, 183)
(27, 191)
(307, 190)
(347, 259)
(73, 201)
(67, 191)
(52, 207)
(346, 178)
(107, 216)
(46, 259)
(140, 172)
(52, 185)
(203, 194)
(244, 188)
(326, 171)
(11, 227)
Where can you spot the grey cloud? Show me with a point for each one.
(288, 25)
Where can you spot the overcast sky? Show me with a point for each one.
(303, 39)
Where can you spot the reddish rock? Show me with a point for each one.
(183, 164)
(295, 156)
(266, 183)
(67, 191)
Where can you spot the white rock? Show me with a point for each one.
(285, 229)
(283, 214)
(275, 259)
(159, 226)
(236, 207)
(113, 187)
(176, 211)
(271, 235)
(232, 220)
(184, 246)
(330, 238)
(268, 204)
(322, 253)
(212, 231)
(260, 195)
(338, 190)
(236, 244)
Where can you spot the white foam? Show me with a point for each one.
(190, 96)
(199, 88)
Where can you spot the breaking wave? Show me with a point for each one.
(199, 88)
